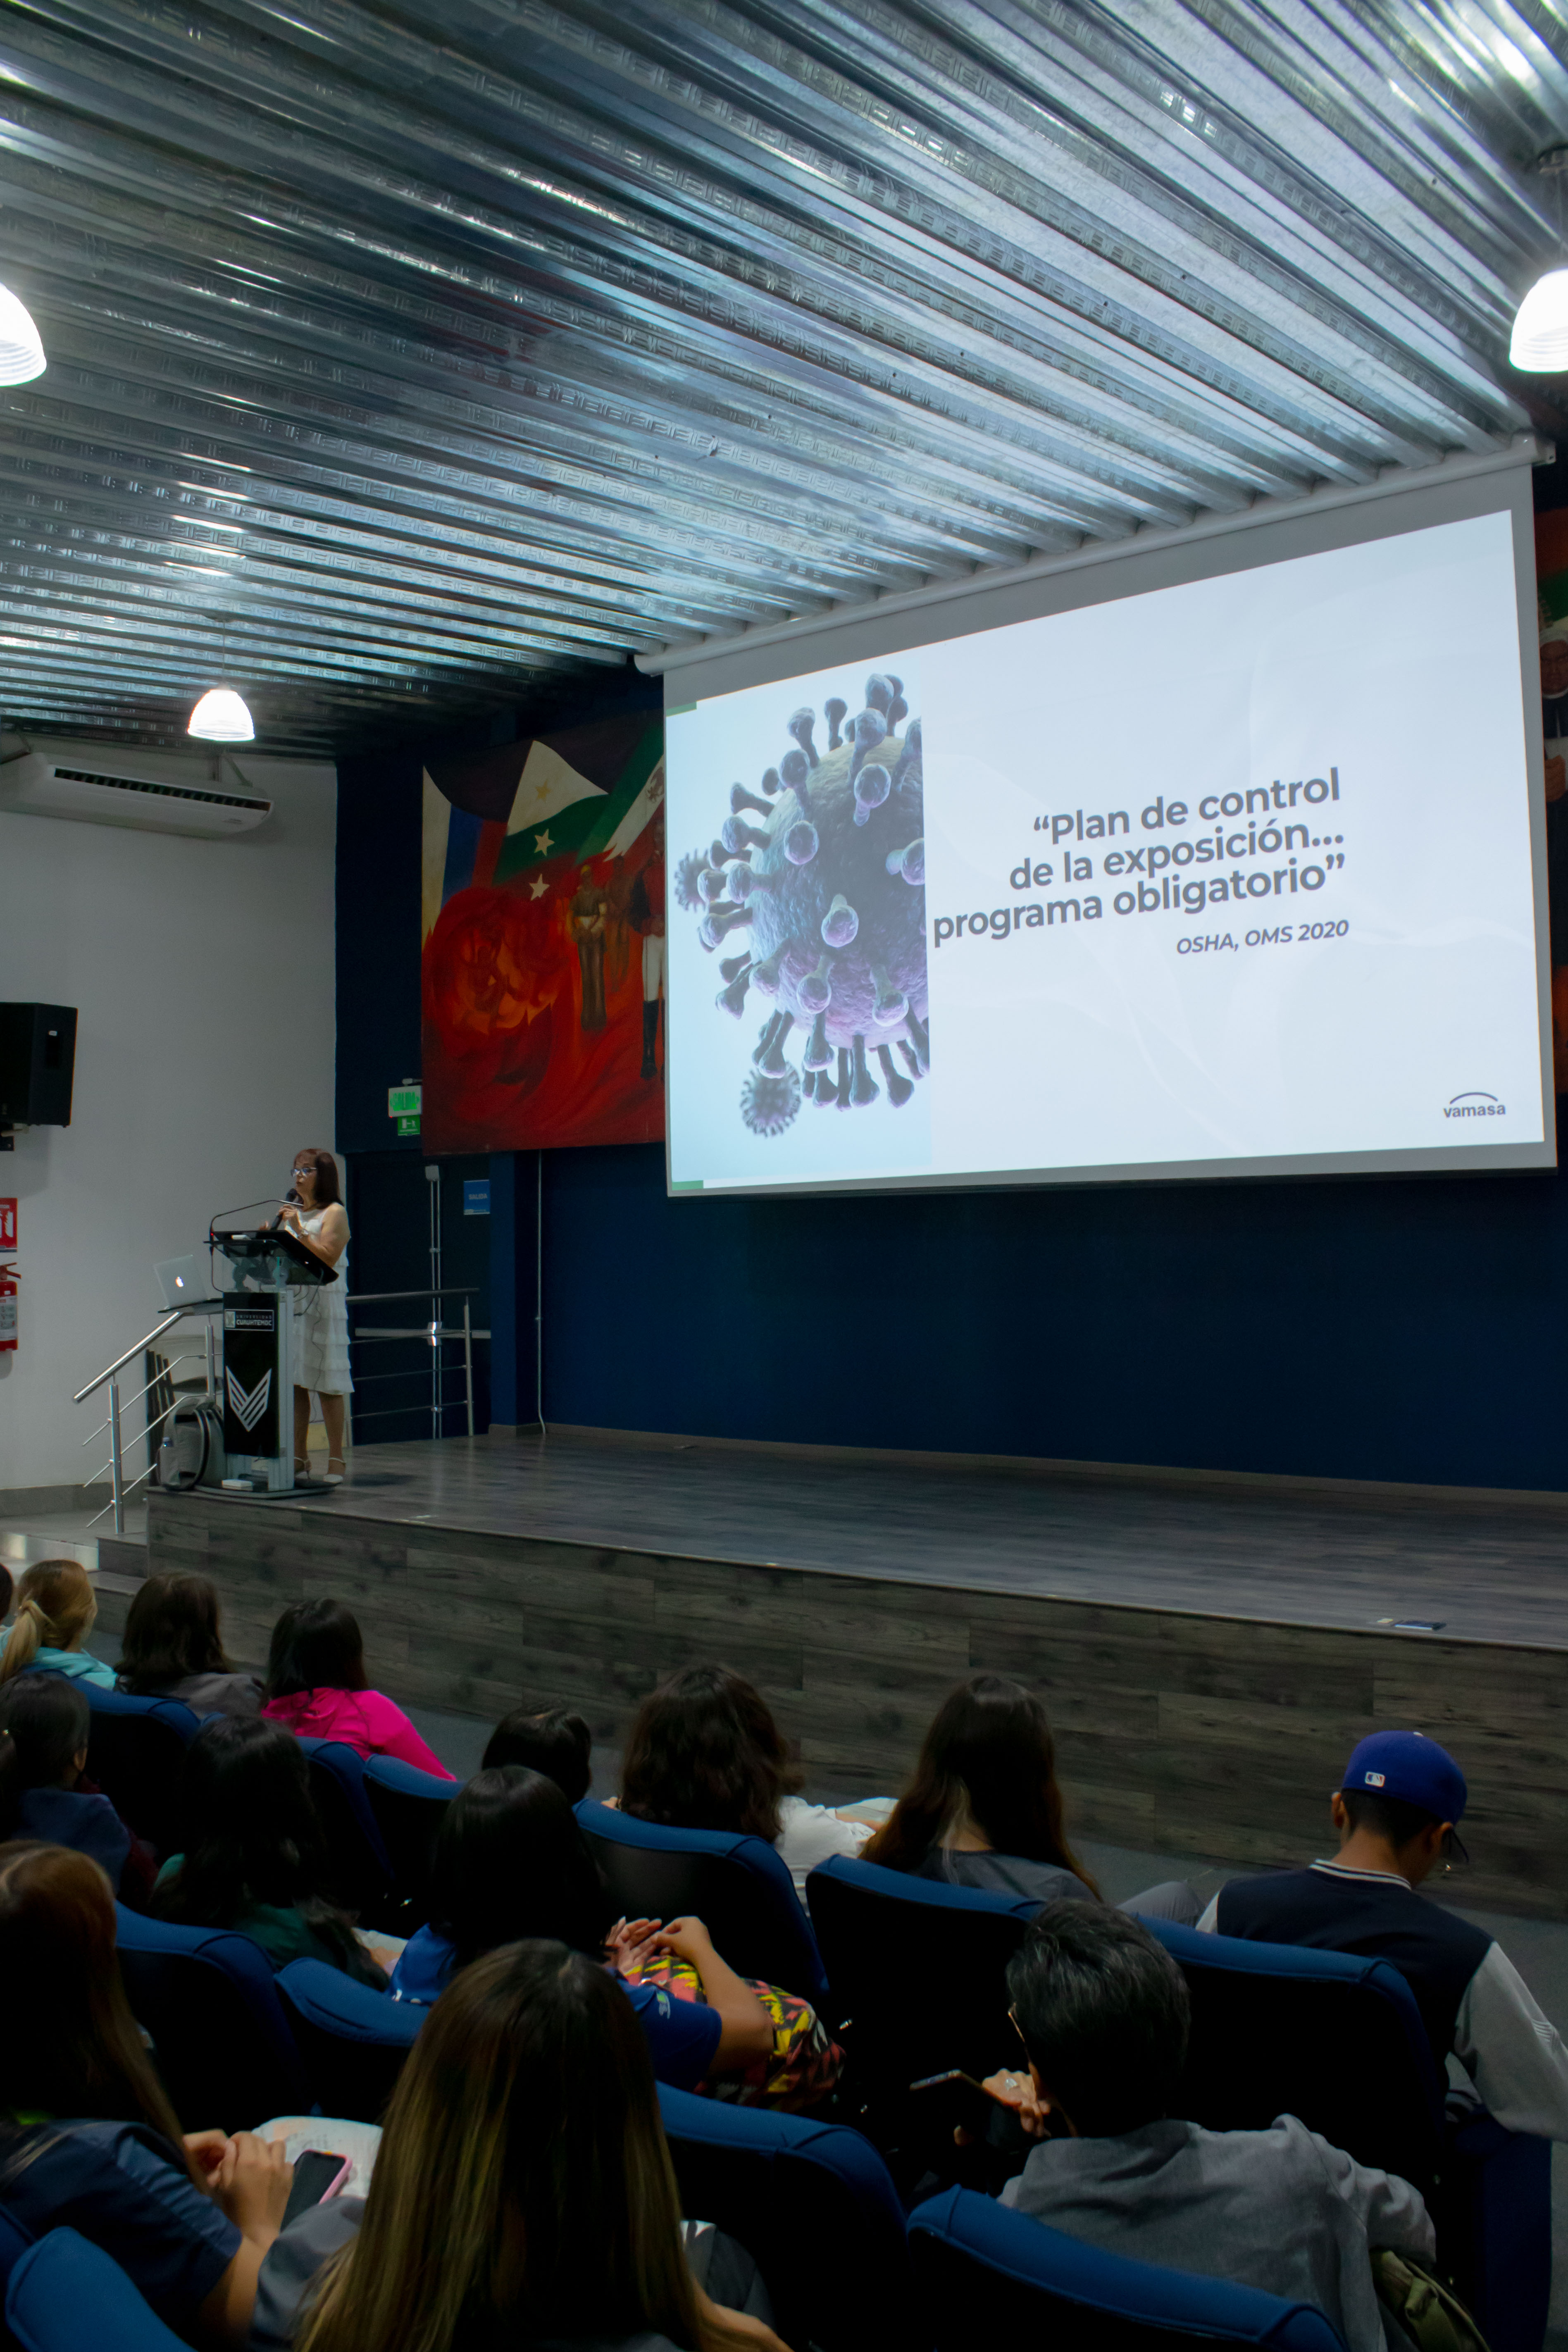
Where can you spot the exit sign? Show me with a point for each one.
(404, 1102)
(408, 1125)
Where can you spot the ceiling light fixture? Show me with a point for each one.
(1538, 345)
(221, 717)
(21, 345)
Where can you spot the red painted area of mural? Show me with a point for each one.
(534, 1023)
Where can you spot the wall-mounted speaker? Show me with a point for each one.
(38, 1056)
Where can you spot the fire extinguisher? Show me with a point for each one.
(9, 1277)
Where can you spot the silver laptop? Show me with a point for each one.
(180, 1282)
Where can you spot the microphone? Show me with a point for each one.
(267, 1200)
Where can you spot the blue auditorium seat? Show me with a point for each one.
(1336, 2039)
(1331, 2037)
(352, 2040)
(986, 2275)
(736, 1886)
(815, 2206)
(15, 2239)
(919, 1972)
(135, 1749)
(409, 1807)
(358, 1866)
(220, 2038)
(66, 2295)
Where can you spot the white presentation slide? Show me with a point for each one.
(1231, 873)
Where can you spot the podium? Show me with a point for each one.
(270, 1270)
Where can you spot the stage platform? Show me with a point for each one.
(1209, 1648)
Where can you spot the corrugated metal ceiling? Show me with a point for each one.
(400, 356)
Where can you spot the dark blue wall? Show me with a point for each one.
(1394, 1328)
(1386, 1328)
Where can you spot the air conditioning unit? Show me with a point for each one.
(33, 785)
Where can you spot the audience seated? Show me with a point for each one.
(1102, 2013)
(511, 1864)
(45, 1795)
(172, 1648)
(87, 2137)
(705, 1753)
(555, 1742)
(1395, 1811)
(252, 1855)
(982, 1808)
(523, 2192)
(316, 1687)
(55, 1610)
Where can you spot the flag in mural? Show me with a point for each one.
(542, 929)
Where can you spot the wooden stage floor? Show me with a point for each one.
(1209, 1648)
(1293, 1554)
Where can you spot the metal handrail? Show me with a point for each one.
(381, 1297)
(432, 1333)
(120, 1362)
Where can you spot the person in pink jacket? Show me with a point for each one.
(316, 1688)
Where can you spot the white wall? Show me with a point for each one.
(202, 974)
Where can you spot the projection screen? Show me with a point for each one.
(1223, 859)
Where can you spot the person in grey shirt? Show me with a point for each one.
(1102, 2010)
(172, 1648)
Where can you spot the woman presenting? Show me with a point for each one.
(322, 1329)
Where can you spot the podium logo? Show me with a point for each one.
(1474, 1105)
(247, 1405)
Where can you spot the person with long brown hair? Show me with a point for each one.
(315, 1214)
(86, 2134)
(56, 1609)
(172, 1648)
(704, 1752)
(982, 1808)
(524, 2191)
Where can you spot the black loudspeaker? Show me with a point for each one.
(38, 1056)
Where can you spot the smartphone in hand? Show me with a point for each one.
(318, 2175)
(956, 2101)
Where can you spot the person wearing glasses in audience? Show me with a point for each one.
(319, 1219)
(1395, 1810)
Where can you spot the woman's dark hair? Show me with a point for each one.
(1104, 2013)
(510, 1863)
(704, 1753)
(316, 1645)
(171, 1630)
(249, 1832)
(988, 1760)
(555, 1742)
(327, 1190)
(47, 1719)
(7, 1591)
(524, 2190)
(73, 2049)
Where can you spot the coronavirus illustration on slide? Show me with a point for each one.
(815, 883)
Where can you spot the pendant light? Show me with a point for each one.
(1540, 342)
(221, 716)
(21, 345)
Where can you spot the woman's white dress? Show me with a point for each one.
(321, 1328)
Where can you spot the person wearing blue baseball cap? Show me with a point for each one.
(1396, 1810)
